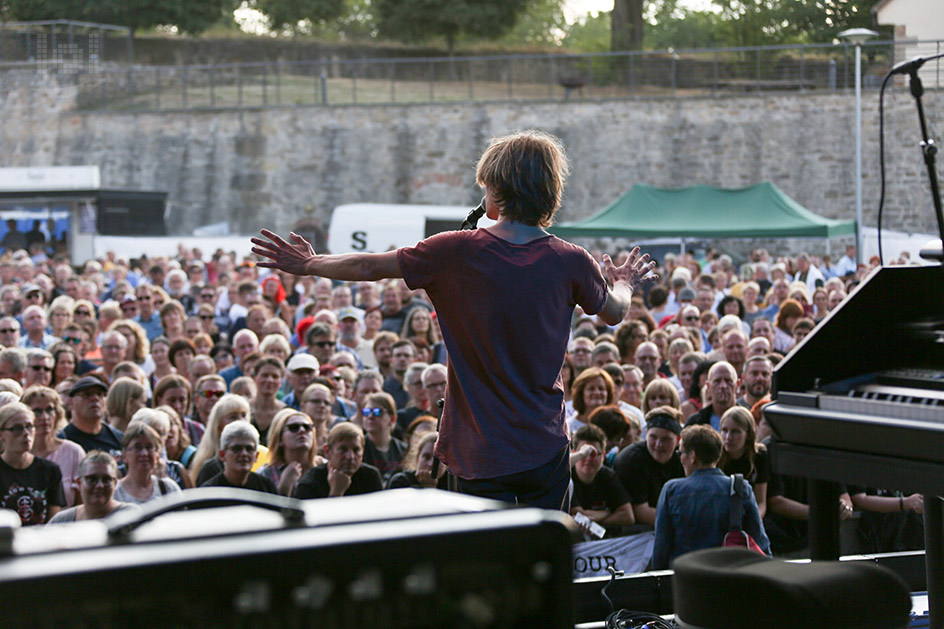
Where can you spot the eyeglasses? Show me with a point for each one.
(207, 296)
(112, 347)
(376, 412)
(207, 317)
(142, 448)
(83, 313)
(581, 350)
(324, 344)
(302, 427)
(238, 449)
(95, 479)
(209, 394)
(8, 330)
(690, 318)
(318, 402)
(41, 368)
(19, 429)
(434, 385)
(71, 340)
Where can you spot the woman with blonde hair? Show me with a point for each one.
(172, 320)
(417, 464)
(49, 417)
(30, 485)
(293, 449)
(139, 348)
(125, 397)
(742, 454)
(59, 314)
(660, 392)
(160, 419)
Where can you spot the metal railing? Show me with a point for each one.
(339, 82)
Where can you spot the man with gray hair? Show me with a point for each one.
(39, 365)
(239, 445)
(114, 346)
(434, 381)
(34, 324)
(9, 332)
(419, 402)
(604, 353)
(12, 364)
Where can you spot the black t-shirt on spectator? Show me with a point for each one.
(211, 467)
(255, 482)
(31, 491)
(387, 463)
(642, 476)
(605, 493)
(761, 472)
(314, 483)
(108, 440)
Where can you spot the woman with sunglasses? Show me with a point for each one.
(98, 478)
(293, 449)
(381, 448)
(29, 485)
(49, 416)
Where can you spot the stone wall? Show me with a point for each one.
(277, 167)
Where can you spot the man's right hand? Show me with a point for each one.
(338, 481)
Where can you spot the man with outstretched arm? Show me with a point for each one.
(504, 296)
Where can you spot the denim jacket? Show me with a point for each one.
(693, 514)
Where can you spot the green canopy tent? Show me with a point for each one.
(758, 211)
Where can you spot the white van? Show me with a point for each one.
(379, 227)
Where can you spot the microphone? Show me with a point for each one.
(909, 67)
(472, 220)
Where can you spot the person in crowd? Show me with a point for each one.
(419, 399)
(267, 373)
(147, 318)
(645, 467)
(758, 374)
(632, 386)
(207, 391)
(592, 389)
(174, 391)
(621, 430)
(580, 351)
(138, 349)
(97, 481)
(648, 359)
(477, 413)
(245, 342)
(206, 462)
(34, 328)
(629, 336)
(180, 353)
(678, 347)
(743, 454)
(381, 449)
(160, 420)
(598, 492)
(660, 392)
(239, 444)
(403, 355)
(277, 346)
(31, 486)
(790, 312)
(141, 451)
(317, 400)
(293, 450)
(87, 426)
(49, 416)
(693, 511)
(417, 465)
(172, 320)
(125, 397)
(722, 386)
(160, 354)
(344, 472)
(734, 348)
(39, 366)
(177, 445)
(567, 379)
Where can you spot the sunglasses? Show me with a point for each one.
(19, 429)
(71, 340)
(237, 449)
(302, 427)
(324, 344)
(207, 317)
(376, 412)
(83, 313)
(94, 479)
(41, 368)
(209, 394)
(8, 330)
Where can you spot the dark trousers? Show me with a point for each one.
(545, 487)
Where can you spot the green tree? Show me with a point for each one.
(189, 16)
(287, 14)
(541, 23)
(671, 26)
(627, 25)
(420, 20)
(819, 21)
(589, 34)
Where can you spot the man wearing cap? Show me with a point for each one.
(87, 427)
(350, 327)
(646, 466)
(31, 295)
(34, 325)
(302, 369)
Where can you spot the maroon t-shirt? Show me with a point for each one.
(505, 312)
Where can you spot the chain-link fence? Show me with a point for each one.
(818, 67)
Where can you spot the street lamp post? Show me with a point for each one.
(858, 36)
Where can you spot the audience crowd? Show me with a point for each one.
(124, 380)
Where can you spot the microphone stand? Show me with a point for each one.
(928, 150)
(471, 222)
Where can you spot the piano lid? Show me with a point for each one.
(893, 320)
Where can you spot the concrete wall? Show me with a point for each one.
(276, 167)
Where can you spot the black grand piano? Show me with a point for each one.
(861, 401)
